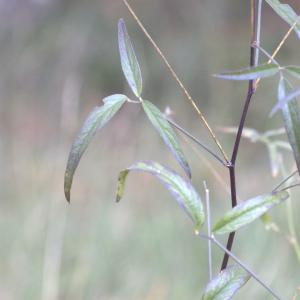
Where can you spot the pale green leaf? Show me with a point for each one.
(293, 70)
(248, 211)
(129, 62)
(251, 73)
(291, 115)
(225, 285)
(286, 12)
(167, 133)
(97, 118)
(181, 188)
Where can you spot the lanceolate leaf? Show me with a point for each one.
(181, 188)
(129, 61)
(288, 104)
(97, 118)
(167, 133)
(286, 12)
(261, 71)
(293, 70)
(248, 211)
(291, 118)
(226, 284)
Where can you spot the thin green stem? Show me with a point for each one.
(239, 262)
(207, 200)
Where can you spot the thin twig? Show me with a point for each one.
(280, 45)
(207, 200)
(175, 76)
(239, 262)
(273, 60)
(290, 186)
(196, 141)
(253, 274)
(284, 181)
(258, 31)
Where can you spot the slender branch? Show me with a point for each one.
(258, 31)
(280, 45)
(246, 268)
(284, 181)
(196, 141)
(207, 200)
(239, 262)
(175, 76)
(290, 186)
(250, 92)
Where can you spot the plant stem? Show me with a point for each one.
(208, 230)
(253, 274)
(175, 76)
(250, 92)
(194, 139)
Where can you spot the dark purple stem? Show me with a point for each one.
(250, 92)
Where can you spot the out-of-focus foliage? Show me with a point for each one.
(58, 59)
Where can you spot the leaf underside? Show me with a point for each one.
(180, 188)
(167, 133)
(97, 118)
(129, 62)
(225, 285)
(250, 73)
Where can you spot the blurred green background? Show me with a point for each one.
(58, 59)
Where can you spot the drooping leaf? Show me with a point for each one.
(248, 211)
(291, 117)
(181, 188)
(293, 70)
(251, 73)
(97, 118)
(167, 133)
(129, 62)
(225, 285)
(286, 12)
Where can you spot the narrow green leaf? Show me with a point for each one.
(286, 12)
(181, 188)
(167, 133)
(97, 118)
(225, 285)
(129, 61)
(291, 118)
(248, 211)
(261, 71)
(293, 70)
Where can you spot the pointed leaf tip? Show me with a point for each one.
(129, 62)
(248, 211)
(162, 126)
(97, 118)
(181, 188)
(287, 13)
